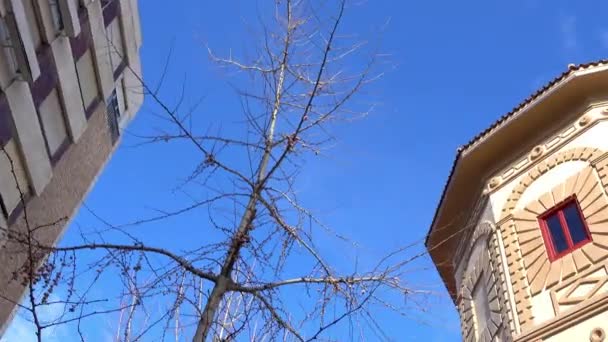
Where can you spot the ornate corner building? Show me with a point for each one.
(69, 81)
(526, 210)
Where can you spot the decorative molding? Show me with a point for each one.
(566, 320)
(519, 284)
(587, 154)
(536, 152)
(540, 271)
(483, 271)
(597, 335)
(494, 182)
(567, 296)
(482, 230)
(499, 267)
(527, 261)
(584, 121)
(505, 219)
(471, 226)
(551, 144)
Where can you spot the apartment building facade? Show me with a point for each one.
(520, 236)
(69, 81)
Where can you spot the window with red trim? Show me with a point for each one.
(564, 228)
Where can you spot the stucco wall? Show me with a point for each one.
(468, 255)
(544, 291)
(480, 262)
(72, 177)
(582, 330)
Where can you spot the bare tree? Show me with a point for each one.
(258, 273)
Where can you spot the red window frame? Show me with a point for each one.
(558, 210)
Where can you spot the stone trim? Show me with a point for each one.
(501, 286)
(551, 144)
(483, 271)
(540, 271)
(587, 154)
(516, 273)
(565, 294)
(527, 259)
(566, 320)
(481, 230)
(505, 278)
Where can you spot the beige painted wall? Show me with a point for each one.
(588, 130)
(592, 137)
(469, 255)
(574, 135)
(581, 331)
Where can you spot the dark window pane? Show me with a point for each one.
(557, 234)
(113, 114)
(574, 220)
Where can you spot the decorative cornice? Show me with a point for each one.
(587, 154)
(587, 121)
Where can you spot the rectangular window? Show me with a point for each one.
(56, 15)
(8, 49)
(113, 116)
(481, 306)
(564, 229)
(87, 79)
(121, 94)
(53, 125)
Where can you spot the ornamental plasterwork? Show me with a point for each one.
(548, 147)
(588, 154)
(590, 284)
(527, 259)
(468, 241)
(481, 271)
(540, 271)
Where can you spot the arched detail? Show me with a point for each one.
(481, 271)
(484, 230)
(540, 271)
(587, 154)
(527, 269)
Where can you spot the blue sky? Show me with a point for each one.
(455, 66)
